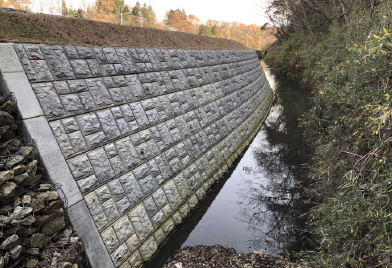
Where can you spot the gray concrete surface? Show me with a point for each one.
(135, 136)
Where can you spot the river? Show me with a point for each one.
(258, 204)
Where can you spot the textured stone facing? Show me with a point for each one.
(146, 132)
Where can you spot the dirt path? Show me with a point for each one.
(24, 27)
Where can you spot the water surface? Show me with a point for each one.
(257, 206)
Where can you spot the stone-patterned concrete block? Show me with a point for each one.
(123, 229)
(58, 62)
(88, 184)
(150, 206)
(123, 205)
(177, 218)
(168, 226)
(154, 169)
(71, 52)
(33, 52)
(120, 254)
(41, 70)
(49, 100)
(135, 86)
(184, 211)
(148, 248)
(110, 210)
(87, 101)
(88, 123)
(80, 166)
(158, 219)
(101, 165)
(108, 124)
(172, 194)
(140, 115)
(117, 165)
(182, 186)
(141, 172)
(117, 95)
(110, 239)
(94, 67)
(136, 260)
(167, 117)
(116, 189)
(108, 69)
(62, 138)
(81, 68)
(103, 194)
(85, 52)
(99, 55)
(70, 125)
(30, 72)
(126, 60)
(160, 198)
(148, 185)
(95, 139)
(61, 87)
(72, 104)
(132, 189)
(127, 153)
(159, 236)
(141, 222)
(200, 193)
(96, 210)
(164, 167)
(193, 201)
(99, 92)
(111, 55)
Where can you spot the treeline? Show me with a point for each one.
(313, 16)
(342, 51)
(143, 15)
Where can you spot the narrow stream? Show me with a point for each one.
(257, 206)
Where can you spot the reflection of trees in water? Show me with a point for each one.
(271, 204)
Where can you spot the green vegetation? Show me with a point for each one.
(14, 30)
(347, 62)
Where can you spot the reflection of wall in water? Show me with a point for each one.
(272, 204)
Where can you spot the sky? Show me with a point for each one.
(243, 11)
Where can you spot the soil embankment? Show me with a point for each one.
(25, 27)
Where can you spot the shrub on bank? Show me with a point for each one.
(349, 68)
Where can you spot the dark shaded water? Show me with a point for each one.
(258, 205)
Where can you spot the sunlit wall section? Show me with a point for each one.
(145, 132)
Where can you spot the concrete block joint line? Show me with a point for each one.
(136, 136)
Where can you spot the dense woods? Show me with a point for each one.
(341, 50)
(142, 15)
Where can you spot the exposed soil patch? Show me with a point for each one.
(24, 27)
(223, 256)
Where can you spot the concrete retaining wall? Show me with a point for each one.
(135, 136)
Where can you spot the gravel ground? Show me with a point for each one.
(223, 257)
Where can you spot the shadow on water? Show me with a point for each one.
(258, 205)
(181, 233)
(270, 197)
